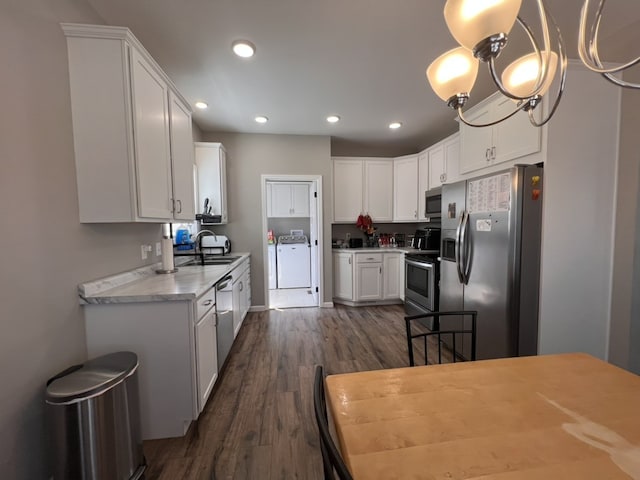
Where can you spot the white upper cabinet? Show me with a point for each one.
(211, 166)
(362, 186)
(444, 158)
(348, 189)
(378, 191)
(405, 189)
(182, 159)
(486, 146)
(123, 109)
(287, 199)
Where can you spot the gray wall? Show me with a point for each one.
(248, 157)
(578, 218)
(45, 252)
(625, 281)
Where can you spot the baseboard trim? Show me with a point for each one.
(327, 304)
(257, 308)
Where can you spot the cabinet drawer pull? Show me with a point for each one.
(180, 205)
(207, 303)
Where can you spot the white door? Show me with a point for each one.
(300, 200)
(181, 159)
(378, 189)
(405, 178)
(369, 281)
(436, 166)
(207, 356)
(347, 190)
(423, 182)
(281, 200)
(391, 275)
(343, 275)
(151, 133)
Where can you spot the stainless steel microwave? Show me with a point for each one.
(433, 203)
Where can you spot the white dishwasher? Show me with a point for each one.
(294, 261)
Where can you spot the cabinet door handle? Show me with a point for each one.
(415, 214)
(380, 270)
(180, 205)
(486, 154)
(493, 153)
(349, 260)
(241, 286)
(443, 177)
(207, 303)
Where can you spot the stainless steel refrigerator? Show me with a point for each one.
(490, 258)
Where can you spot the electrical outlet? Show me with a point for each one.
(158, 249)
(144, 251)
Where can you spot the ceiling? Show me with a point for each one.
(363, 60)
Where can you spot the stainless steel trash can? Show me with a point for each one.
(94, 420)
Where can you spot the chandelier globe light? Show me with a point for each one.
(588, 47)
(482, 28)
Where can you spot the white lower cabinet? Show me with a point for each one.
(343, 275)
(368, 276)
(207, 356)
(241, 294)
(391, 267)
(368, 281)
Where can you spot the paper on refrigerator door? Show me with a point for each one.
(489, 194)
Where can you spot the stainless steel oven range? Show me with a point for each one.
(422, 273)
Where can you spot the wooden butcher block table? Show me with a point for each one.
(568, 416)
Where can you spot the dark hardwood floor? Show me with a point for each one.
(258, 422)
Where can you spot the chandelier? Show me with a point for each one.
(482, 27)
(588, 48)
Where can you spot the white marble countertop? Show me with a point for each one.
(144, 285)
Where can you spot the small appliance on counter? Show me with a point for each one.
(427, 239)
(220, 242)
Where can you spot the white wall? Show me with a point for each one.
(44, 251)
(578, 219)
(248, 157)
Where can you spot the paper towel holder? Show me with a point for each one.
(168, 266)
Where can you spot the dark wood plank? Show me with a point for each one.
(258, 422)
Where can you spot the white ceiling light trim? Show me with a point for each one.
(202, 105)
(243, 48)
(261, 119)
(333, 119)
(395, 125)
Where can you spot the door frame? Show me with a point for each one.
(316, 181)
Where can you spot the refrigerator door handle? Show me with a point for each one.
(458, 245)
(464, 248)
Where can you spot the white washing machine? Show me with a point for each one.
(271, 250)
(294, 261)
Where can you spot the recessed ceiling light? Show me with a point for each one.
(395, 125)
(243, 48)
(261, 119)
(202, 105)
(333, 118)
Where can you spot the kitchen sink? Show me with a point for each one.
(211, 261)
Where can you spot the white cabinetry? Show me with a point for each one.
(443, 159)
(343, 275)
(392, 272)
(123, 108)
(348, 189)
(241, 294)
(362, 186)
(368, 276)
(206, 346)
(378, 190)
(508, 140)
(287, 199)
(211, 164)
(405, 189)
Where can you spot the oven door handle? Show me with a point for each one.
(457, 247)
(427, 265)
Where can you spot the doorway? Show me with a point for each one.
(292, 240)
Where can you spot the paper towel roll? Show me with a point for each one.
(167, 254)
